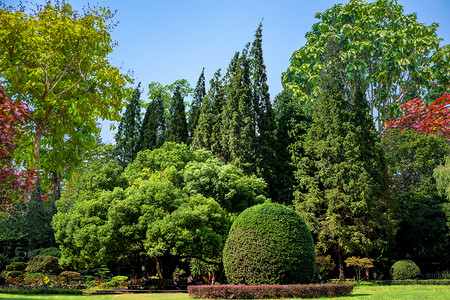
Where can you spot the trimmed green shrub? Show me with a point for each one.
(269, 291)
(269, 244)
(43, 263)
(404, 269)
(119, 278)
(70, 275)
(16, 266)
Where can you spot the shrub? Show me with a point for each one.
(269, 244)
(53, 251)
(269, 291)
(16, 266)
(70, 275)
(404, 269)
(43, 263)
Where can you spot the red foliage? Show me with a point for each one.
(432, 119)
(12, 117)
(269, 291)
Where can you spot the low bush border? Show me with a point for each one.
(413, 281)
(41, 291)
(269, 291)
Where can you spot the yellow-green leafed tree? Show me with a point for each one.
(55, 60)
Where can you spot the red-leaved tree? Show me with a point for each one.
(13, 183)
(432, 119)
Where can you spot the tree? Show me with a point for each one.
(170, 203)
(442, 175)
(292, 122)
(412, 158)
(55, 60)
(359, 263)
(197, 101)
(342, 179)
(127, 136)
(238, 121)
(399, 57)
(12, 183)
(207, 135)
(153, 129)
(434, 118)
(264, 120)
(177, 124)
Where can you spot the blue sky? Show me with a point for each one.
(168, 40)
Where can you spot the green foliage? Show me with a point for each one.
(412, 158)
(127, 136)
(359, 263)
(71, 275)
(292, 122)
(153, 129)
(404, 269)
(177, 124)
(55, 60)
(442, 175)
(175, 203)
(16, 266)
(343, 184)
(399, 56)
(46, 264)
(197, 103)
(53, 251)
(325, 265)
(269, 244)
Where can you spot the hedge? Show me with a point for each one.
(40, 291)
(269, 291)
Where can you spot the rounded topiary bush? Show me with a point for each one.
(269, 244)
(404, 269)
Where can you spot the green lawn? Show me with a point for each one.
(363, 292)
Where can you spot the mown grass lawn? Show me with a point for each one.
(361, 292)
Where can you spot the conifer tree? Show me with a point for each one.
(291, 123)
(152, 133)
(177, 125)
(207, 133)
(127, 136)
(199, 94)
(342, 176)
(263, 113)
(238, 127)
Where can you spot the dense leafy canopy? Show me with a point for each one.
(55, 60)
(269, 244)
(171, 202)
(399, 57)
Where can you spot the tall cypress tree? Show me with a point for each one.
(342, 175)
(263, 114)
(207, 133)
(292, 123)
(238, 128)
(177, 126)
(199, 94)
(152, 133)
(127, 136)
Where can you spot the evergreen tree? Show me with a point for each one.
(152, 133)
(207, 133)
(177, 127)
(291, 127)
(263, 114)
(127, 136)
(238, 127)
(342, 179)
(199, 94)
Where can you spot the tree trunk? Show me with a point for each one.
(341, 263)
(165, 265)
(37, 145)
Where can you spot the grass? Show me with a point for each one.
(360, 292)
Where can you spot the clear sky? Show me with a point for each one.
(166, 40)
